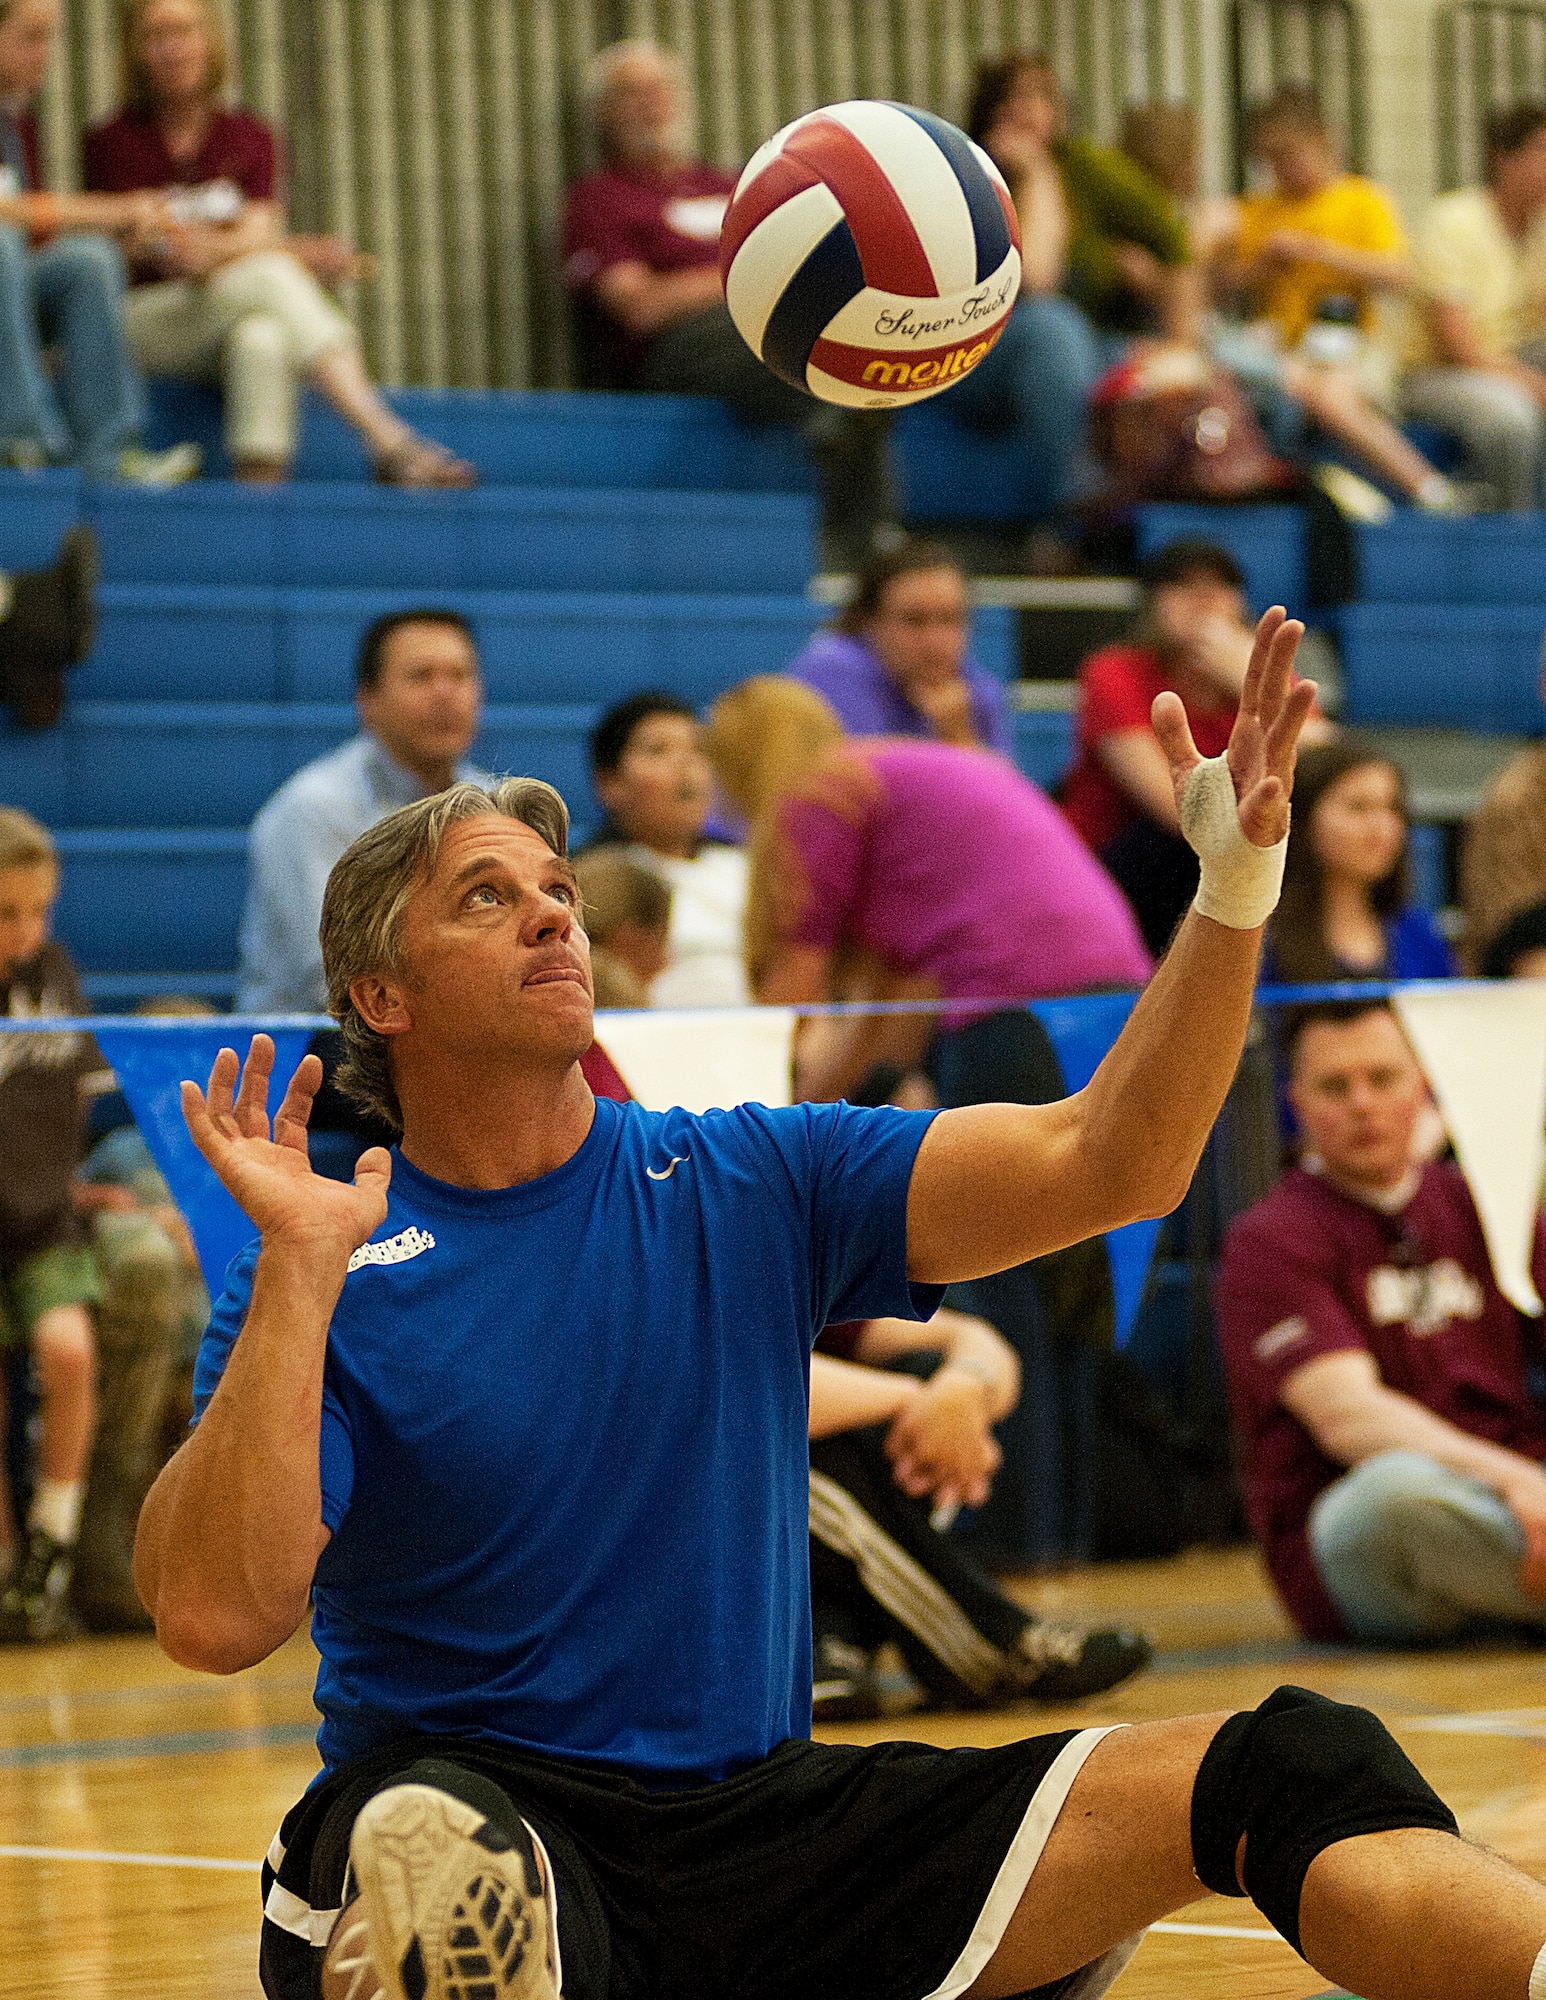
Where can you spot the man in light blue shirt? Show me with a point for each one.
(419, 696)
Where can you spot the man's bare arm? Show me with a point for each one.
(997, 1184)
(230, 1534)
(644, 302)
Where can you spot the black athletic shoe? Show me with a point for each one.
(843, 1688)
(1063, 1663)
(454, 1904)
(35, 1605)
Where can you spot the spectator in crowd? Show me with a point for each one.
(419, 698)
(944, 869)
(222, 289)
(1478, 363)
(48, 1276)
(1192, 638)
(656, 789)
(1291, 395)
(1503, 859)
(61, 293)
(627, 917)
(48, 618)
(1314, 258)
(1346, 910)
(1085, 215)
(894, 661)
(1519, 949)
(887, 1447)
(1378, 1379)
(641, 248)
(151, 1315)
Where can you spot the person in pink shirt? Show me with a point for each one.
(1380, 1383)
(897, 868)
(641, 259)
(222, 288)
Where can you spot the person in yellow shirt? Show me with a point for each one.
(1321, 232)
(1478, 360)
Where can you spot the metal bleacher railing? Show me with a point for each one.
(440, 133)
(1487, 54)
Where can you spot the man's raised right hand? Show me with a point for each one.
(270, 1177)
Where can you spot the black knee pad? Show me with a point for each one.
(1294, 1776)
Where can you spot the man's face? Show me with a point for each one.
(1520, 177)
(1184, 611)
(1357, 1091)
(660, 792)
(27, 46)
(26, 899)
(495, 960)
(919, 633)
(172, 42)
(1300, 162)
(640, 109)
(426, 705)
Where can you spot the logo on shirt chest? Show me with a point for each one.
(397, 1249)
(1426, 1299)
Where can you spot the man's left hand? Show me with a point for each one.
(1264, 741)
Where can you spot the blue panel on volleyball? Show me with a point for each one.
(816, 293)
(1467, 666)
(1269, 543)
(988, 224)
(1494, 559)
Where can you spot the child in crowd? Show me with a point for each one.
(48, 1275)
(1346, 910)
(627, 912)
(656, 789)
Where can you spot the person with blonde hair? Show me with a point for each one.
(628, 922)
(223, 290)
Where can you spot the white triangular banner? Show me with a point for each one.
(704, 1058)
(1484, 1050)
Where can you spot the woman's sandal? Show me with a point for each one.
(420, 461)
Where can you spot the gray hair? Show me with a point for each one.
(601, 71)
(368, 893)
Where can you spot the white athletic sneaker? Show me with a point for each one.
(455, 1905)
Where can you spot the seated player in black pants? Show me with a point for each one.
(521, 1414)
(892, 1454)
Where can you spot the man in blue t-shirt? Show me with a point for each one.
(522, 1414)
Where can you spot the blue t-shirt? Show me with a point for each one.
(563, 1451)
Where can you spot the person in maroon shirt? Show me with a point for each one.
(223, 289)
(1379, 1381)
(61, 288)
(641, 251)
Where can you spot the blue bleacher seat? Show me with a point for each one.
(1420, 558)
(206, 642)
(1044, 744)
(1269, 543)
(151, 903)
(1465, 666)
(532, 538)
(161, 765)
(35, 510)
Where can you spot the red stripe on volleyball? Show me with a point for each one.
(894, 259)
(884, 368)
(779, 179)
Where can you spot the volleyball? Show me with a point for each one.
(870, 254)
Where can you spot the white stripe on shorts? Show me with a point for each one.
(1016, 1870)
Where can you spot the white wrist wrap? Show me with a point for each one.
(1538, 1977)
(1240, 881)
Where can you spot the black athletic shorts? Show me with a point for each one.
(826, 1872)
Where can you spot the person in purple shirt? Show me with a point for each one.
(894, 662)
(886, 868)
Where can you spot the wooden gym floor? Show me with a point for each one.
(137, 1799)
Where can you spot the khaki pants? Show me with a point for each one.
(257, 327)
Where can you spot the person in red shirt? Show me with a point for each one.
(1192, 636)
(1380, 1383)
(641, 251)
(223, 289)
